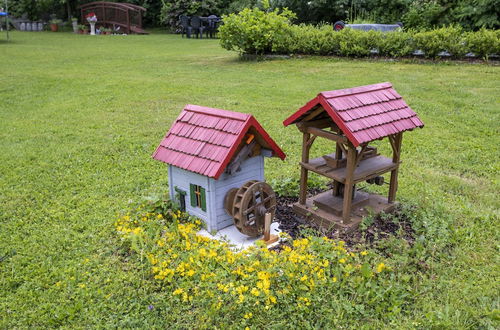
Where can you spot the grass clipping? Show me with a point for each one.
(305, 275)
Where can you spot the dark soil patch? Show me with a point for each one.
(381, 227)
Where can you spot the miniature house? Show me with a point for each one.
(209, 152)
(352, 118)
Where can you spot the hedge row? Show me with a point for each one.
(253, 31)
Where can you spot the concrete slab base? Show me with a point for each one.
(240, 242)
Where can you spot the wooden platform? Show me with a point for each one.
(374, 204)
(367, 168)
(334, 204)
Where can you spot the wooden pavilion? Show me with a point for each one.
(352, 118)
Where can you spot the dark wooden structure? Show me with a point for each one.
(115, 14)
(352, 118)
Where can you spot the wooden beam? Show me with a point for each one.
(327, 135)
(393, 185)
(313, 114)
(392, 140)
(303, 170)
(342, 146)
(360, 154)
(348, 186)
(320, 123)
(311, 141)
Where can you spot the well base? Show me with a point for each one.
(374, 204)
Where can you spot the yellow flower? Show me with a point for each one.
(190, 273)
(303, 278)
(364, 253)
(334, 279)
(159, 216)
(178, 291)
(381, 266)
(342, 261)
(248, 315)
(255, 292)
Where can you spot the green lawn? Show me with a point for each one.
(81, 115)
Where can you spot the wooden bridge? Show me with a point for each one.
(125, 16)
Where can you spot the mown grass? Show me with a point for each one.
(81, 115)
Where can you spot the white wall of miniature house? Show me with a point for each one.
(204, 197)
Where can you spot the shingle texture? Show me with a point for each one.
(203, 140)
(364, 113)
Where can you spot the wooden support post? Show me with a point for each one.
(304, 171)
(338, 156)
(348, 186)
(396, 152)
(268, 238)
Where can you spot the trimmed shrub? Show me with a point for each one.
(358, 43)
(446, 39)
(253, 31)
(308, 39)
(396, 44)
(483, 43)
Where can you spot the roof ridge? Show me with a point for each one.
(215, 112)
(355, 90)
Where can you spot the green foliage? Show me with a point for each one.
(308, 39)
(290, 186)
(423, 14)
(416, 14)
(358, 43)
(450, 39)
(249, 287)
(483, 42)
(254, 31)
(395, 44)
(238, 5)
(152, 16)
(172, 9)
(477, 14)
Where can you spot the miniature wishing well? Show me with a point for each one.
(355, 117)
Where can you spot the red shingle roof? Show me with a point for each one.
(204, 140)
(364, 113)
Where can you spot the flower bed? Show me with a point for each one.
(301, 276)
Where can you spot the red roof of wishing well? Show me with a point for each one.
(204, 140)
(364, 113)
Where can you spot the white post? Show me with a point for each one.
(92, 28)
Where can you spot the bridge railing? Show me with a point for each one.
(124, 14)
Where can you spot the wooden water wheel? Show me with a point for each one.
(248, 206)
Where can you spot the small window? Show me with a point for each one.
(181, 196)
(198, 197)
